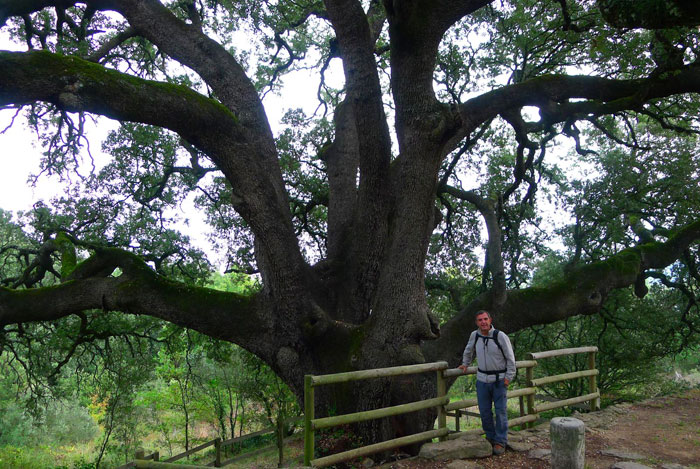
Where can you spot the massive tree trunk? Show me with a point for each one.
(363, 306)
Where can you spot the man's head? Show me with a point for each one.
(483, 321)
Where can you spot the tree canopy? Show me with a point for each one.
(471, 144)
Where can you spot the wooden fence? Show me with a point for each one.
(152, 461)
(529, 412)
(311, 424)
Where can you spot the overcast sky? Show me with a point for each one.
(20, 152)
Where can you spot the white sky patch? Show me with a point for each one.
(530, 113)
(21, 153)
(20, 157)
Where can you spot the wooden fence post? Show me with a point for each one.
(140, 454)
(530, 397)
(457, 414)
(217, 449)
(441, 392)
(308, 417)
(280, 440)
(156, 456)
(521, 403)
(592, 385)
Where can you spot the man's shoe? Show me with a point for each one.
(498, 449)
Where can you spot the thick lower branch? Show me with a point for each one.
(139, 290)
(583, 291)
(650, 14)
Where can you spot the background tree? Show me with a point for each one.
(448, 120)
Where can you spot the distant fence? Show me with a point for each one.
(152, 461)
(529, 412)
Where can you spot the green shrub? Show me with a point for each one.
(79, 464)
(68, 423)
(16, 426)
(24, 457)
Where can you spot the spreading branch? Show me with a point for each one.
(582, 291)
(138, 290)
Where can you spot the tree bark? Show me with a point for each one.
(364, 305)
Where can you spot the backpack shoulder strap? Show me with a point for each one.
(495, 339)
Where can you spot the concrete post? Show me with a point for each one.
(568, 438)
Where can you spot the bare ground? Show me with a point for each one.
(662, 431)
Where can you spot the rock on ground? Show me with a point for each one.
(461, 448)
(622, 454)
(542, 454)
(629, 465)
(463, 464)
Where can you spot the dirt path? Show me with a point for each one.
(661, 431)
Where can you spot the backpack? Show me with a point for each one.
(486, 339)
(494, 337)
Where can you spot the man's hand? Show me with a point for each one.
(506, 382)
(463, 368)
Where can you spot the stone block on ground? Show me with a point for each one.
(540, 429)
(463, 464)
(629, 465)
(622, 454)
(542, 454)
(519, 442)
(520, 446)
(367, 462)
(461, 448)
(568, 443)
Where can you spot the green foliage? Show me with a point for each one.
(79, 464)
(449, 291)
(23, 458)
(68, 423)
(122, 388)
(17, 425)
(630, 177)
(688, 361)
(633, 337)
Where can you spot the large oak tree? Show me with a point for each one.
(432, 136)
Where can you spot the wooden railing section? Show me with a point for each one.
(311, 424)
(529, 412)
(153, 461)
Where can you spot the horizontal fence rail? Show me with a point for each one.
(376, 373)
(191, 451)
(562, 351)
(143, 464)
(377, 447)
(317, 424)
(563, 377)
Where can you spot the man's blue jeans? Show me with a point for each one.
(487, 393)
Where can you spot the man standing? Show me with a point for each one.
(496, 368)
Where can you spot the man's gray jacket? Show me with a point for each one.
(489, 356)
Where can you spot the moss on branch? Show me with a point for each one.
(80, 85)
